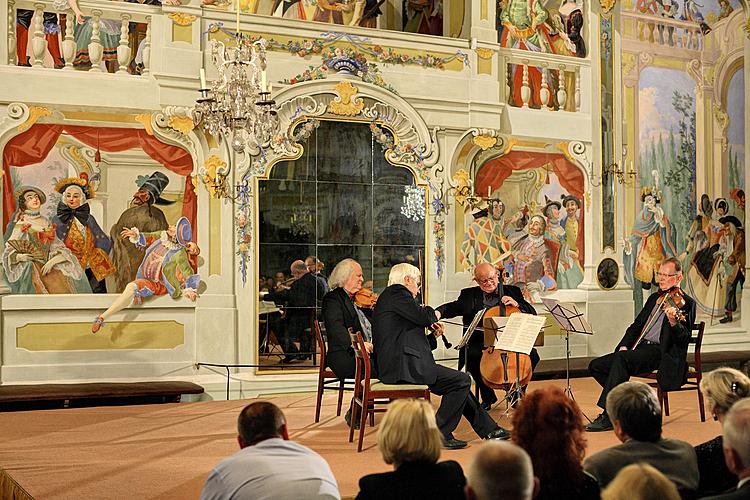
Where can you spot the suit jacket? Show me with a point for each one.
(738, 494)
(339, 315)
(404, 352)
(415, 480)
(301, 300)
(471, 300)
(673, 342)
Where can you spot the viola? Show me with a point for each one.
(501, 369)
(675, 298)
(365, 298)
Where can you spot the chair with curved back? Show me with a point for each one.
(326, 378)
(369, 392)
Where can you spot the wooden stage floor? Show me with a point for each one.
(166, 451)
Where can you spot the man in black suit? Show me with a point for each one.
(404, 356)
(737, 449)
(658, 338)
(489, 293)
(300, 302)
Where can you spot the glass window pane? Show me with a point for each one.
(385, 257)
(301, 169)
(390, 225)
(286, 211)
(344, 152)
(333, 254)
(344, 214)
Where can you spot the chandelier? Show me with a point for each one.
(237, 106)
(413, 203)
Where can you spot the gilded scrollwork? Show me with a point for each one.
(346, 104)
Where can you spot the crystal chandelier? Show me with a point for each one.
(413, 206)
(237, 107)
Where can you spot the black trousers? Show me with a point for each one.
(730, 304)
(615, 368)
(457, 400)
(473, 355)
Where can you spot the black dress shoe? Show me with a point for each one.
(348, 419)
(726, 319)
(451, 443)
(487, 405)
(498, 434)
(600, 424)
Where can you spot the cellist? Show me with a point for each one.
(489, 293)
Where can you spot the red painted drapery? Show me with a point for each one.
(33, 146)
(495, 171)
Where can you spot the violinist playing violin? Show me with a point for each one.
(657, 339)
(489, 293)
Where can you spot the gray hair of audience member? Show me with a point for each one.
(341, 273)
(737, 431)
(400, 272)
(635, 406)
(409, 433)
(500, 470)
(723, 387)
(298, 267)
(259, 421)
(640, 481)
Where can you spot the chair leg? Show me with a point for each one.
(372, 417)
(341, 397)
(666, 403)
(319, 399)
(353, 408)
(363, 418)
(700, 405)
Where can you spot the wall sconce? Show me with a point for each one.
(623, 177)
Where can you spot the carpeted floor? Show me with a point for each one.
(166, 451)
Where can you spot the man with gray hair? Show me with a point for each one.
(404, 356)
(737, 449)
(636, 416)
(501, 470)
(268, 464)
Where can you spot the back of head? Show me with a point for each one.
(500, 470)
(549, 426)
(409, 433)
(259, 421)
(399, 272)
(737, 431)
(635, 406)
(640, 482)
(723, 387)
(298, 267)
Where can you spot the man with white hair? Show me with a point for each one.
(737, 449)
(404, 356)
(501, 470)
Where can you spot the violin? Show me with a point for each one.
(501, 369)
(365, 298)
(675, 298)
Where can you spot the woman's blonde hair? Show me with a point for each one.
(723, 387)
(409, 433)
(640, 482)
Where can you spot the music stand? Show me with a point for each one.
(517, 334)
(570, 320)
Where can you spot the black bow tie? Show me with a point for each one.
(65, 213)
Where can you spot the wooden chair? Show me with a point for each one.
(694, 376)
(369, 392)
(326, 378)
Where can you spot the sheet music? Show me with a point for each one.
(265, 307)
(519, 333)
(470, 329)
(567, 315)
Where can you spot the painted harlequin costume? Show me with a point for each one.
(485, 241)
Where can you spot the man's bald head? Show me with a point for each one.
(298, 268)
(500, 470)
(485, 274)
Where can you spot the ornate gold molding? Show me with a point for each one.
(628, 63)
(462, 186)
(35, 112)
(485, 141)
(344, 105)
(182, 19)
(746, 27)
(145, 120)
(212, 178)
(182, 124)
(606, 5)
(484, 53)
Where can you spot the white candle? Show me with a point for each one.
(263, 82)
(489, 191)
(203, 78)
(238, 16)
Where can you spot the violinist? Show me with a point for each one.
(489, 293)
(339, 314)
(657, 339)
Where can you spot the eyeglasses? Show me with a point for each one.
(664, 275)
(487, 281)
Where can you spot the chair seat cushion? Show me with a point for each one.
(377, 385)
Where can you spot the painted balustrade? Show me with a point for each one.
(665, 31)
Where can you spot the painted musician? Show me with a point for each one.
(657, 339)
(489, 293)
(404, 356)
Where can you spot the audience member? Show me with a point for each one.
(636, 416)
(268, 464)
(737, 449)
(640, 482)
(549, 426)
(722, 388)
(501, 470)
(409, 439)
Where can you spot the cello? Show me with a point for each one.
(502, 369)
